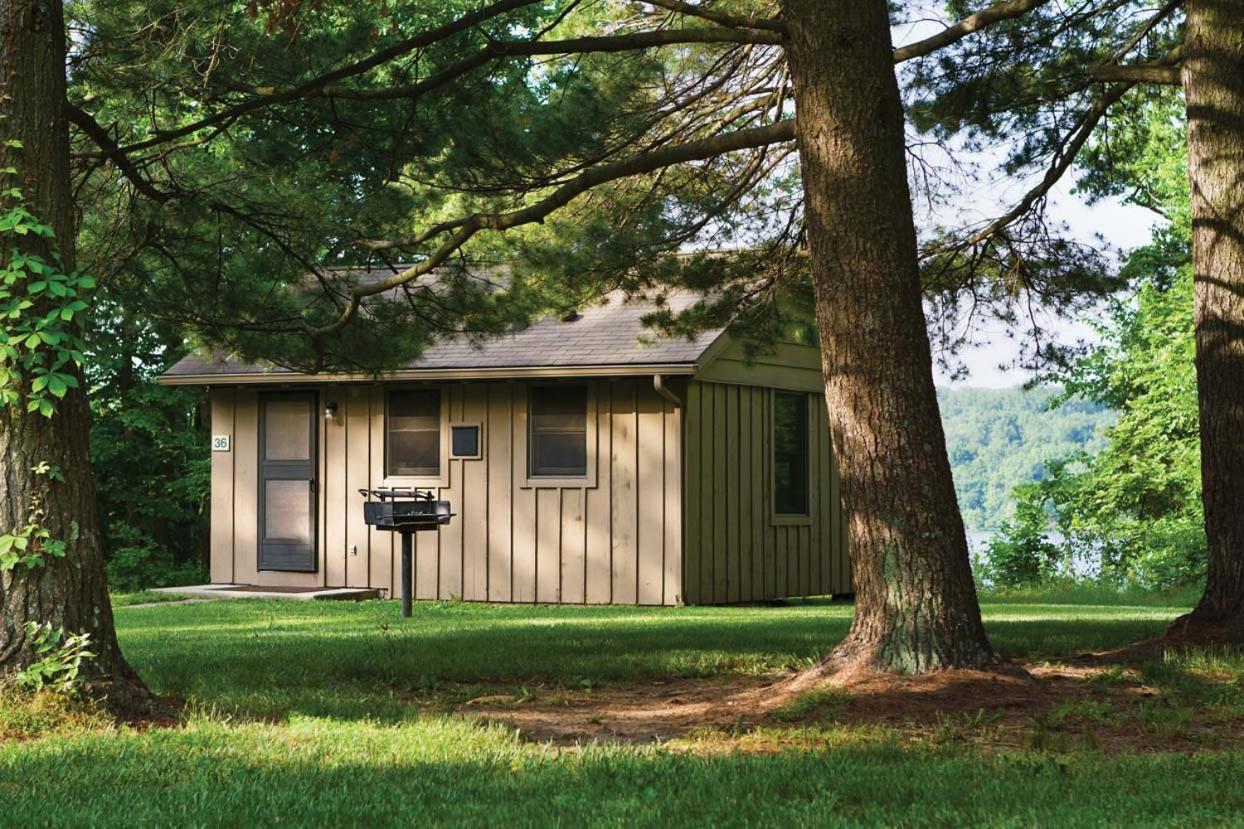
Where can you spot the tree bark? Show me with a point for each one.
(1213, 82)
(916, 609)
(68, 592)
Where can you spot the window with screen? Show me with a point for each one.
(558, 431)
(413, 439)
(790, 454)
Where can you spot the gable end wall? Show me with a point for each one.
(736, 550)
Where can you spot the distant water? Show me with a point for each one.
(978, 540)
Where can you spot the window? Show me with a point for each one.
(464, 441)
(558, 431)
(790, 454)
(413, 439)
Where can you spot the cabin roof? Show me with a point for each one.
(609, 338)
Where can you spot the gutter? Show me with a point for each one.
(658, 384)
(500, 373)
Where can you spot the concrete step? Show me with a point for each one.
(250, 591)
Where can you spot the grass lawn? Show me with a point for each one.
(319, 713)
(145, 597)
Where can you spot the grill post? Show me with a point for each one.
(404, 511)
(406, 591)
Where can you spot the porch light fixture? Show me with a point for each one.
(330, 411)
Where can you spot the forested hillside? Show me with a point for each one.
(998, 438)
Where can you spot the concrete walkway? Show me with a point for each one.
(141, 605)
(211, 592)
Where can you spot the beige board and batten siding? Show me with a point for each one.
(614, 536)
(736, 548)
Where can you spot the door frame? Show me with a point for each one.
(312, 466)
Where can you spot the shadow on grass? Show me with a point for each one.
(315, 776)
(275, 660)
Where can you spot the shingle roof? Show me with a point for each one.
(611, 334)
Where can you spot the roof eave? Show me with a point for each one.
(492, 373)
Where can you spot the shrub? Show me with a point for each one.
(140, 563)
(1021, 554)
(60, 659)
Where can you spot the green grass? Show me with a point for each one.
(819, 703)
(316, 713)
(1091, 593)
(319, 772)
(145, 597)
(270, 659)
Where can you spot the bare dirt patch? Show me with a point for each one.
(646, 713)
(1054, 707)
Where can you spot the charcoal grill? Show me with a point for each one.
(404, 511)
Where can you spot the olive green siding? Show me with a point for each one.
(785, 366)
(736, 549)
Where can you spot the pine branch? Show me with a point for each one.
(1062, 162)
(983, 19)
(466, 227)
(419, 41)
(1140, 73)
(720, 18)
(500, 48)
(1165, 71)
(85, 122)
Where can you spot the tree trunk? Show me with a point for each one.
(68, 592)
(1213, 81)
(915, 602)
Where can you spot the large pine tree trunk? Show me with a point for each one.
(68, 592)
(915, 602)
(1213, 81)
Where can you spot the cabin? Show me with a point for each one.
(586, 459)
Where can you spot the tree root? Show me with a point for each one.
(1203, 630)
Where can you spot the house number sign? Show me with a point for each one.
(220, 443)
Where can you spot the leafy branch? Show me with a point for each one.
(60, 659)
(41, 307)
(32, 544)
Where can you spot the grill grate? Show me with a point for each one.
(397, 510)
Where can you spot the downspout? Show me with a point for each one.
(658, 384)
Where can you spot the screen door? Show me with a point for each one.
(287, 482)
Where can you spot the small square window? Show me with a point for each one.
(464, 441)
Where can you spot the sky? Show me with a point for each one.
(1121, 227)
